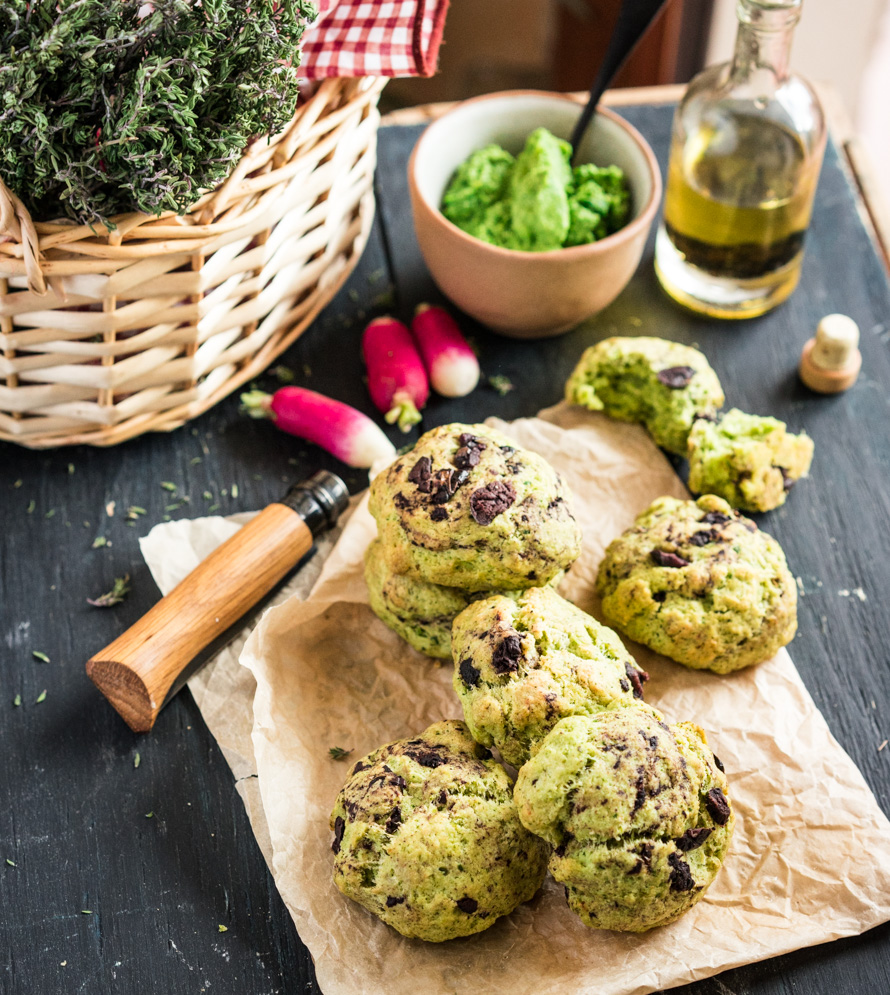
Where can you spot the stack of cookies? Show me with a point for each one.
(630, 814)
(465, 513)
(636, 811)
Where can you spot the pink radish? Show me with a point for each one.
(336, 427)
(397, 380)
(452, 364)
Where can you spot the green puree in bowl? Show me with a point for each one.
(536, 201)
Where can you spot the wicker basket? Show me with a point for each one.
(108, 334)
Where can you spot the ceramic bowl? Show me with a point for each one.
(529, 294)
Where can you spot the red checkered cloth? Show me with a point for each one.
(353, 38)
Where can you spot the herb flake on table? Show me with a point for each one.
(10, 862)
(99, 542)
(16, 701)
(386, 299)
(40, 697)
(115, 596)
(223, 929)
(283, 374)
(503, 385)
(168, 485)
(38, 655)
(136, 760)
(32, 504)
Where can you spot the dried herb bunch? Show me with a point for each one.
(109, 106)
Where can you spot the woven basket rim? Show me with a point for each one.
(107, 334)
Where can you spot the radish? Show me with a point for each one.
(452, 364)
(336, 427)
(397, 379)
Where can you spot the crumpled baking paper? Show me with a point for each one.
(810, 859)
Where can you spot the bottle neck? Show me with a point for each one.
(763, 44)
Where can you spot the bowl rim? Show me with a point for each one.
(642, 222)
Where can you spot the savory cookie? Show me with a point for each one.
(662, 384)
(420, 612)
(637, 810)
(466, 508)
(748, 460)
(427, 837)
(696, 581)
(520, 665)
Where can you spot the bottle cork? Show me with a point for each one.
(830, 362)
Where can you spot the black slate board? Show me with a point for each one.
(73, 805)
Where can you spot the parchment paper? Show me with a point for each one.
(810, 860)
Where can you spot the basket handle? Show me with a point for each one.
(16, 222)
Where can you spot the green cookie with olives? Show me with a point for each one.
(749, 460)
(664, 385)
(638, 812)
(701, 584)
(522, 664)
(421, 613)
(467, 508)
(427, 837)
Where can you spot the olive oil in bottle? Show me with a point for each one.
(745, 155)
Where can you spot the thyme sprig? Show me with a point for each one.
(117, 594)
(133, 105)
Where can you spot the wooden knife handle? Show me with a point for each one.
(137, 670)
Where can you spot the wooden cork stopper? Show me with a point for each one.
(831, 361)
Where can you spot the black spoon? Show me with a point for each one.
(634, 18)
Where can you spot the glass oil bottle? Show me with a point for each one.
(746, 150)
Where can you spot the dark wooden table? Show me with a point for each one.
(98, 897)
